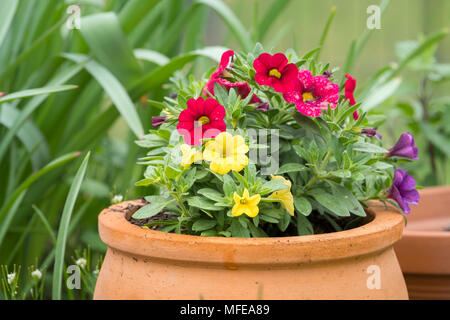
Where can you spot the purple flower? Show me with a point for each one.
(263, 106)
(157, 121)
(369, 132)
(403, 190)
(404, 147)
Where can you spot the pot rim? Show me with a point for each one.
(118, 233)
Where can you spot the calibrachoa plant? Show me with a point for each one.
(329, 159)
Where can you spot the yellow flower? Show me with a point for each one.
(190, 155)
(285, 195)
(226, 152)
(246, 204)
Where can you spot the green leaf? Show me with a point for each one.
(6, 16)
(368, 147)
(291, 167)
(203, 203)
(379, 94)
(270, 17)
(203, 224)
(304, 227)
(303, 206)
(104, 35)
(272, 186)
(115, 90)
(157, 203)
(342, 173)
(231, 20)
(237, 230)
(151, 56)
(348, 198)
(330, 202)
(325, 31)
(35, 92)
(211, 194)
(63, 230)
(285, 220)
(440, 141)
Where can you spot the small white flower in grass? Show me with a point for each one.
(11, 277)
(36, 274)
(96, 271)
(81, 263)
(117, 199)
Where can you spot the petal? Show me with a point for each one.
(263, 79)
(411, 196)
(278, 61)
(225, 60)
(252, 211)
(245, 195)
(408, 183)
(306, 79)
(238, 210)
(308, 109)
(262, 63)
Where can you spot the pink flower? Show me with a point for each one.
(202, 119)
(312, 94)
(275, 71)
(242, 88)
(350, 86)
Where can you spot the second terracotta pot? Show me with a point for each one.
(424, 250)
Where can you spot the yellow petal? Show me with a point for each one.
(245, 195)
(254, 200)
(237, 198)
(254, 210)
(238, 209)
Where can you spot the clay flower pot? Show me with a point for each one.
(147, 264)
(424, 250)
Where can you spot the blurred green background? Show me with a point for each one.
(124, 55)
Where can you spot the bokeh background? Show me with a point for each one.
(133, 47)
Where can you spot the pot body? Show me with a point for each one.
(146, 264)
(424, 250)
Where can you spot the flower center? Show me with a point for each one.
(307, 96)
(203, 120)
(275, 73)
(243, 201)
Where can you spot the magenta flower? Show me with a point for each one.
(157, 121)
(220, 76)
(403, 190)
(275, 71)
(404, 147)
(312, 94)
(203, 118)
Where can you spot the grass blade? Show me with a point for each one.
(270, 17)
(235, 25)
(35, 92)
(64, 228)
(6, 213)
(114, 89)
(6, 17)
(323, 37)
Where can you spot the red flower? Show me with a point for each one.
(350, 86)
(202, 119)
(275, 71)
(242, 88)
(312, 94)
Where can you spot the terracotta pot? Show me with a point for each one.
(424, 251)
(146, 264)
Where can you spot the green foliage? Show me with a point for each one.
(66, 91)
(329, 169)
